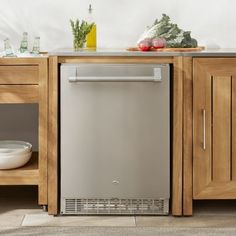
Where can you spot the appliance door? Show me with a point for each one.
(115, 131)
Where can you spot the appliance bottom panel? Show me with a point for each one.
(114, 206)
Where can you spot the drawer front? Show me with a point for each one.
(19, 94)
(19, 74)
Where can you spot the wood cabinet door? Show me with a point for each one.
(214, 128)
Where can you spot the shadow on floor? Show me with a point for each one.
(214, 207)
(18, 197)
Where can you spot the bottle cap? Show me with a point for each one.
(90, 8)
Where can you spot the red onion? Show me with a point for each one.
(158, 43)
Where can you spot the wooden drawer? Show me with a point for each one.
(19, 74)
(19, 94)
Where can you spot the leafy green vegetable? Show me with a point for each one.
(174, 36)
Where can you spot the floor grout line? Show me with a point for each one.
(23, 218)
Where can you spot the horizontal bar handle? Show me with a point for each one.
(114, 79)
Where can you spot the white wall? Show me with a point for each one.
(119, 22)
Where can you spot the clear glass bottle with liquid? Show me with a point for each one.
(8, 51)
(91, 39)
(24, 43)
(36, 46)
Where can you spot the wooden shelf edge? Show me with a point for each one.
(26, 175)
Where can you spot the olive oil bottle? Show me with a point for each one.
(91, 39)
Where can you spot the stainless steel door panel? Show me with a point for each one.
(115, 137)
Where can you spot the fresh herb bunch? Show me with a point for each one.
(80, 31)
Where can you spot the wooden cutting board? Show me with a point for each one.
(200, 48)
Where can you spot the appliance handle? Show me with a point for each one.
(74, 79)
(204, 128)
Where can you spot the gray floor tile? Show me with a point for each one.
(195, 221)
(46, 220)
(18, 206)
(11, 219)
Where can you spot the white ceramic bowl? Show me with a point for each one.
(10, 147)
(14, 154)
(14, 160)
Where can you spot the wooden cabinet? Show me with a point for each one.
(214, 128)
(25, 80)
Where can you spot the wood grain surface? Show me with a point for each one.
(197, 49)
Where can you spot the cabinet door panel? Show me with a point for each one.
(233, 128)
(221, 126)
(214, 132)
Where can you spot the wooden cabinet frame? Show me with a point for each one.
(182, 137)
(15, 89)
(45, 92)
(214, 163)
(221, 189)
(177, 122)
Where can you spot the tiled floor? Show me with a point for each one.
(18, 207)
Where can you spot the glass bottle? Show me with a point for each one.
(24, 43)
(91, 39)
(36, 46)
(7, 48)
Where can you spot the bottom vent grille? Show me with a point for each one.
(115, 206)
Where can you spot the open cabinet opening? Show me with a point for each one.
(20, 122)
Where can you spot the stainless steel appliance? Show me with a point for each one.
(115, 138)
